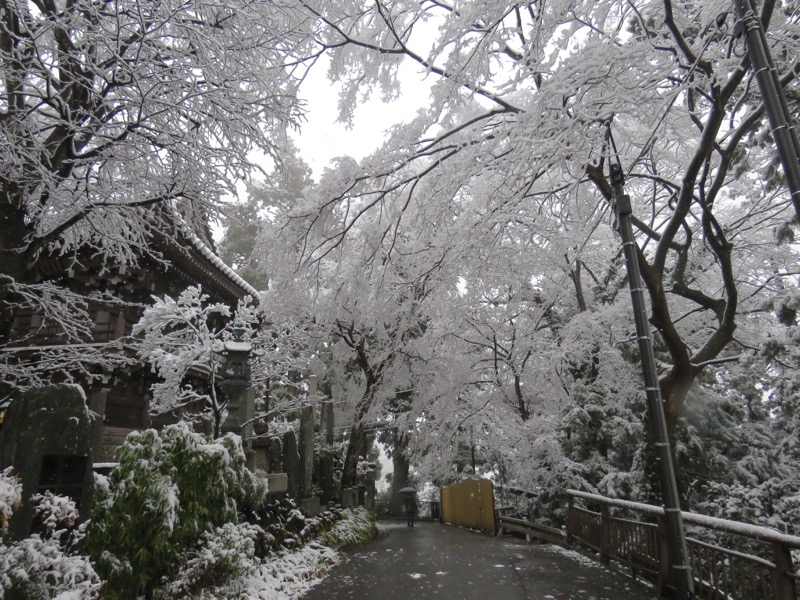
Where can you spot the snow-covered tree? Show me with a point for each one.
(112, 115)
(516, 135)
(368, 316)
(183, 340)
(280, 188)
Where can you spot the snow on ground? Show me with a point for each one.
(289, 575)
(586, 561)
(576, 556)
(386, 525)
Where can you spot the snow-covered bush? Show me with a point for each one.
(228, 563)
(283, 526)
(45, 565)
(10, 498)
(225, 553)
(356, 526)
(53, 511)
(169, 490)
(36, 567)
(288, 573)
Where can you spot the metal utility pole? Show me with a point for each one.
(673, 520)
(780, 119)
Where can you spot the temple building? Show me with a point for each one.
(118, 397)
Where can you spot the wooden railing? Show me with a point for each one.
(719, 573)
(529, 530)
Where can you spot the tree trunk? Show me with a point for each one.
(357, 445)
(356, 450)
(13, 261)
(400, 473)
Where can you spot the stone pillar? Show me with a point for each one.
(307, 450)
(275, 456)
(369, 488)
(241, 411)
(328, 420)
(350, 497)
(97, 404)
(292, 466)
(46, 439)
(325, 471)
(247, 415)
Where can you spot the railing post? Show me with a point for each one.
(784, 584)
(605, 533)
(663, 558)
(570, 517)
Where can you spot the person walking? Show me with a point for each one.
(410, 504)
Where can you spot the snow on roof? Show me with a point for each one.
(215, 260)
(234, 346)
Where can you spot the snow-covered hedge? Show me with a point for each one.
(10, 498)
(170, 491)
(182, 516)
(224, 554)
(357, 526)
(288, 572)
(46, 564)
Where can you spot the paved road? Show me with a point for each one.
(438, 561)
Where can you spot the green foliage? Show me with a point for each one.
(170, 489)
(282, 526)
(225, 553)
(243, 223)
(357, 526)
(323, 449)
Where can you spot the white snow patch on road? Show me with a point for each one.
(416, 575)
(576, 556)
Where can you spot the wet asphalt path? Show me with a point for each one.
(438, 561)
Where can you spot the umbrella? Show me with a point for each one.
(407, 490)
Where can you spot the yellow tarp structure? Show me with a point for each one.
(469, 504)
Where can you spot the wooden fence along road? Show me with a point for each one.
(632, 534)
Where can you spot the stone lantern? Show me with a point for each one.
(235, 375)
(236, 359)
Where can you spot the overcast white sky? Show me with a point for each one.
(322, 138)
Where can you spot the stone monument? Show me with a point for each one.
(46, 440)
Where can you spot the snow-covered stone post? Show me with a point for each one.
(369, 489)
(307, 418)
(309, 503)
